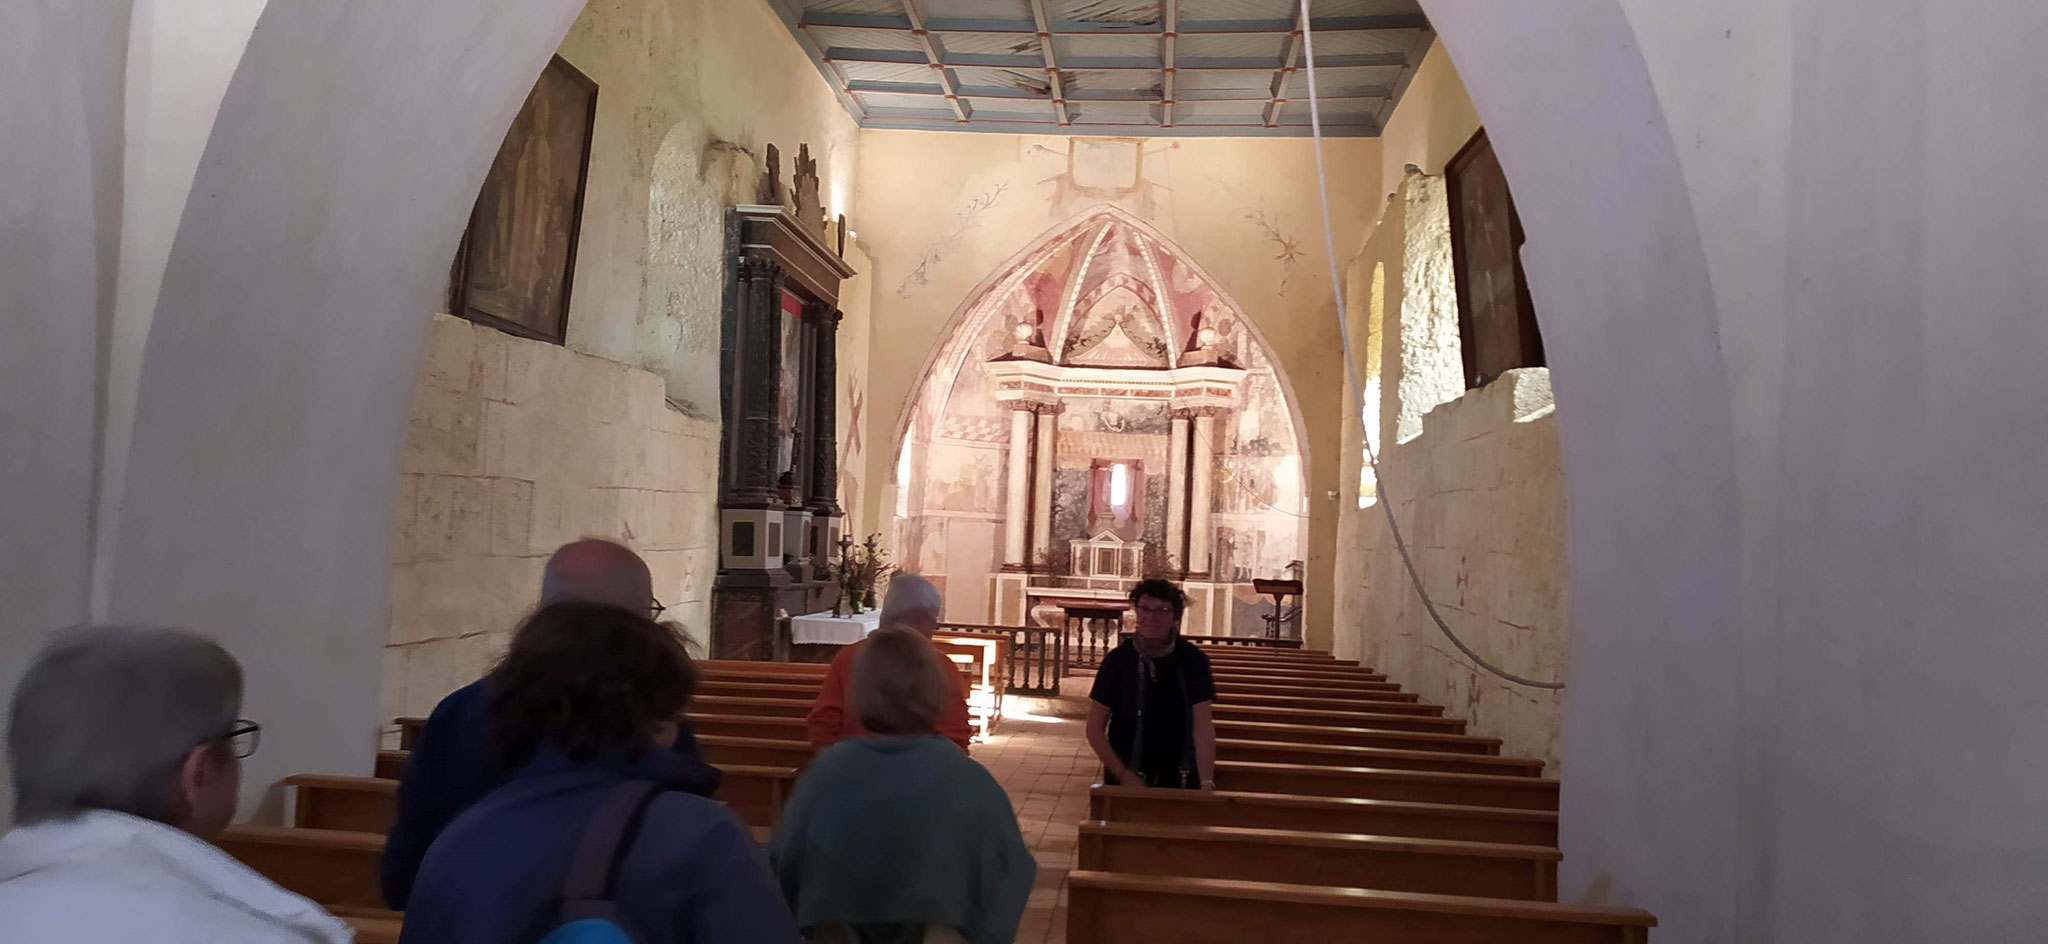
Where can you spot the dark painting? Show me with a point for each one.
(513, 271)
(1496, 322)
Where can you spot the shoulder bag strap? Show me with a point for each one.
(594, 867)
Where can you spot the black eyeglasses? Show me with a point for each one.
(657, 608)
(243, 737)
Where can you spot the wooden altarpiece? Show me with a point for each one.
(779, 514)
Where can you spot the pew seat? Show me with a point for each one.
(1328, 814)
(1310, 857)
(769, 688)
(353, 804)
(1339, 673)
(1308, 682)
(1345, 755)
(1419, 786)
(749, 726)
(1110, 908)
(1227, 687)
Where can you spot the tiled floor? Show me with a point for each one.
(1041, 757)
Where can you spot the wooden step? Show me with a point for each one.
(330, 866)
(1304, 857)
(1344, 755)
(1373, 783)
(1365, 717)
(744, 705)
(1329, 814)
(723, 751)
(1109, 908)
(750, 726)
(353, 804)
(1357, 737)
(807, 691)
(1227, 696)
(1228, 686)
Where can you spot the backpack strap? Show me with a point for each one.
(594, 867)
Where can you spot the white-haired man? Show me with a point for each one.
(913, 603)
(127, 759)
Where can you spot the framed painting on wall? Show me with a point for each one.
(1496, 319)
(514, 268)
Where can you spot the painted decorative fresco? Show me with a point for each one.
(1108, 293)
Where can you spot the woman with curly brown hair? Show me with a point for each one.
(584, 706)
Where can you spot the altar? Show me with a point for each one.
(824, 629)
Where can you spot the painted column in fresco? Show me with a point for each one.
(1015, 507)
(1177, 492)
(1047, 417)
(1201, 532)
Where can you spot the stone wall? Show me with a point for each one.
(1474, 477)
(1479, 495)
(516, 447)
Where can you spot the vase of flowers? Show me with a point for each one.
(861, 567)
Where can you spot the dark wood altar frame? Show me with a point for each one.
(764, 574)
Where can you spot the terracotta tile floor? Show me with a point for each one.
(1041, 756)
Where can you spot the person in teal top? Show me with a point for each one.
(898, 837)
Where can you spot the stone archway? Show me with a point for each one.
(1102, 294)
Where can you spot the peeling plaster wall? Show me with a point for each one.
(943, 212)
(517, 446)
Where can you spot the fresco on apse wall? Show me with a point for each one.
(1108, 292)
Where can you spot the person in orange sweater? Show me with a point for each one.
(914, 603)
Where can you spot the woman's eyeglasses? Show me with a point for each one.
(657, 609)
(243, 737)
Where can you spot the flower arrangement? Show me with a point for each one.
(861, 566)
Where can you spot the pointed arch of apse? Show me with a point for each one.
(971, 320)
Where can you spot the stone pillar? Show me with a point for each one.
(1177, 493)
(752, 460)
(1017, 497)
(1041, 480)
(1201, 533)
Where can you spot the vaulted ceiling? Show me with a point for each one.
(1113, 67)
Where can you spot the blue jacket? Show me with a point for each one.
(454, 764)
(693, 872)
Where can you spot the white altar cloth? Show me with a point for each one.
(828, 630)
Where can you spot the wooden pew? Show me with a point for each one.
(1228, 696)
(1226, 687)
(800, 691)
(742, 668)
(1337, 688)
(352, 804)
(390, 764)
(1357, 737)
(1304, 857)
(365, 804)
(409, 732)
(750, 726)
(1108, 908)
(759, 707)
(723, 751)
(330, 866)
(1219, 655)
(1344, 755)
(1251, 672)
(756, 792)
(1372, 783)
(372, 925)
(1357, 717)
(1326, 814)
